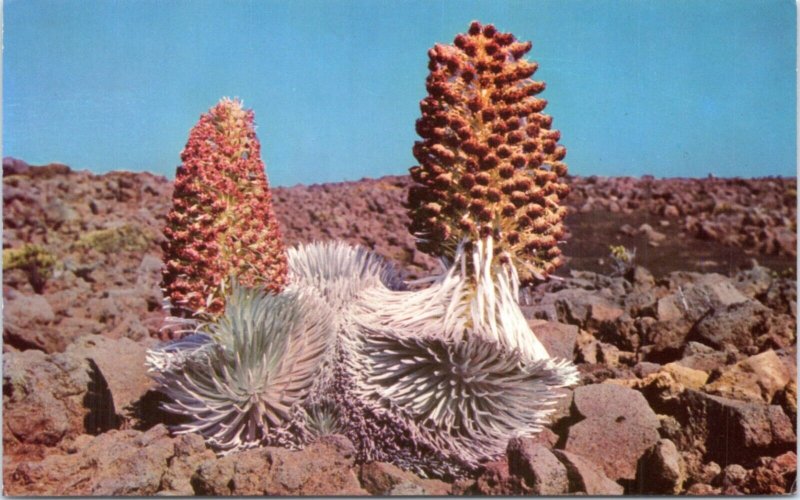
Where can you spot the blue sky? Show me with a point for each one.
(662, 87)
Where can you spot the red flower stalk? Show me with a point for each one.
(221, 225)
(488, 158)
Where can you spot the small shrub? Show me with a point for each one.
(622, 259)
(127, 238)
(34, 260)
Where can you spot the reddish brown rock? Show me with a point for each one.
(558, 338)
(586, 477)
(618, 426)
(539, 469)
(757, 378)
(757, 428)
(319, 469)
(380, 478)
(660, 470)
(112, 464)
(773, 476)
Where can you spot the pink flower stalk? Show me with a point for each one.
(221, 226)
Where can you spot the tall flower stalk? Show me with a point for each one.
(490, 165)
(221, 225)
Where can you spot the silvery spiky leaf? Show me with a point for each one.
(171, 356)
(339, 272)
(324, 418)
(265, 354)
(482, 300)
(469, 397)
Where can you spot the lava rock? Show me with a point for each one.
(380, 478)
(772, 476)
(737, 324)
(319, 469)
(756, 428)
(558, 338)
(618, 426)
(538, 468)
(120, 363)
(44, 397)
(116, 463)
(661, 470)
(585, 477)
(757, 378)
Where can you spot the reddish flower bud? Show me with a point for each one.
(495, 140)
(518, 198)
(515, 137)
(467, 181)
(460, 201)
(466, 225)
(478, 191)
(508, 210)
(483, 178)
(506, 171)
(474, 28)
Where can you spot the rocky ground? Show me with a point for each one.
(687, 355)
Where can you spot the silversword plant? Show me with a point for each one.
(435, 375)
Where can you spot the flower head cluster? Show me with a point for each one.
(489, 161)
(221, 224)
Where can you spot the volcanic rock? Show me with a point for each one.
(120, 363)
(541, 472)
(319, 469)
(737, 324)
(618, 427)
(558, 338)
(773, 476)
(111, 464)
(585, 477)
(661, 470)
(380, 478)
(756, 428)
(757, 378)
(44, 397)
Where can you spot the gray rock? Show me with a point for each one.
(732, 475)
(25, 322)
